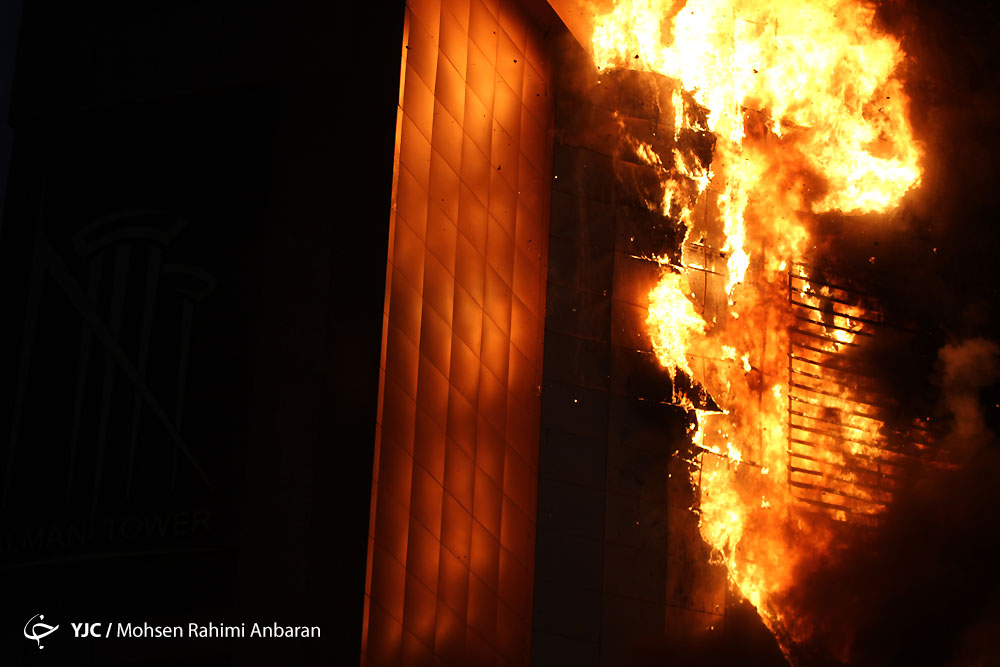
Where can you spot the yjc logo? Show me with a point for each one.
(89, 629)
(39, 630)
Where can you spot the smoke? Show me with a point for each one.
(921, 587)
(966, 368)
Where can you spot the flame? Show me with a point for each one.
(820, 69)
(672, 322)
(806, 104)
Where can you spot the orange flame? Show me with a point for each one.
(673, 322)
(810, 116)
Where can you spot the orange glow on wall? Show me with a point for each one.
(451, 544)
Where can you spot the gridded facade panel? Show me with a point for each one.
(454, 494)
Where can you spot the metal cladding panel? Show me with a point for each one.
(451, 547)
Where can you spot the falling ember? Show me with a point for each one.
(808, 115)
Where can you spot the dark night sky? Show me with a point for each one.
(10, 22)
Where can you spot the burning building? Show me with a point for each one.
(638, 332)
(708, 160)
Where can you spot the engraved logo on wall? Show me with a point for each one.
(113, 307)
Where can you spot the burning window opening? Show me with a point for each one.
(843, 458)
